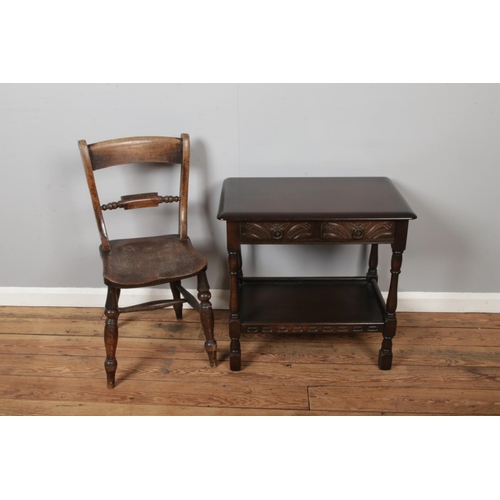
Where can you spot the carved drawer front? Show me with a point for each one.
(275, 232)
(358, 231)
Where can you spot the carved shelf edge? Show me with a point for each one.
(307, 328)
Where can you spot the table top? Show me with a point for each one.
(311, 198)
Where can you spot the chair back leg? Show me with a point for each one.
(177, 296)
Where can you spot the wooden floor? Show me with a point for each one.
(51, 363)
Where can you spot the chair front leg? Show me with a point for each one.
(207, 318)
(111, 334)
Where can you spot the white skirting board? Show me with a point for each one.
(95, 297)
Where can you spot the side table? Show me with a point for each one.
(313, 211)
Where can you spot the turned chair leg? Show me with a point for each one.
(111, 334)
(177, 296)
(207, 318)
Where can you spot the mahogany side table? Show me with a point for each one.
(313, 211)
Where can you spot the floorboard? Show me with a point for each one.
(51, 363)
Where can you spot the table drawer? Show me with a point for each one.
(276, 232)
(358, 231)
(317, 232)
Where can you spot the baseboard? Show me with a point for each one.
(448, 302)
(95, 297)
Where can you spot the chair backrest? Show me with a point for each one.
(137, 150)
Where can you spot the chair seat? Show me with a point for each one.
(138, 262)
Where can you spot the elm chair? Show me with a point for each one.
(147, 261)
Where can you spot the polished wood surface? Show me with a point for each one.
(313, 211)
(311, 198)
(147, 261)
(51, 364)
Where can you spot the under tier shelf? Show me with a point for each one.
(310, 305)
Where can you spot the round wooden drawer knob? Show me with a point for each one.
(358, 232)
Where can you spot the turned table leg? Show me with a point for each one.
(234, 307)
(398, 247)
(235, 275)
(385, 353)
(373, 263)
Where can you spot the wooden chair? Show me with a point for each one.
(147, 261)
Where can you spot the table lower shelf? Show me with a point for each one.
(310, 305)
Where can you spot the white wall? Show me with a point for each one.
(438, 142)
